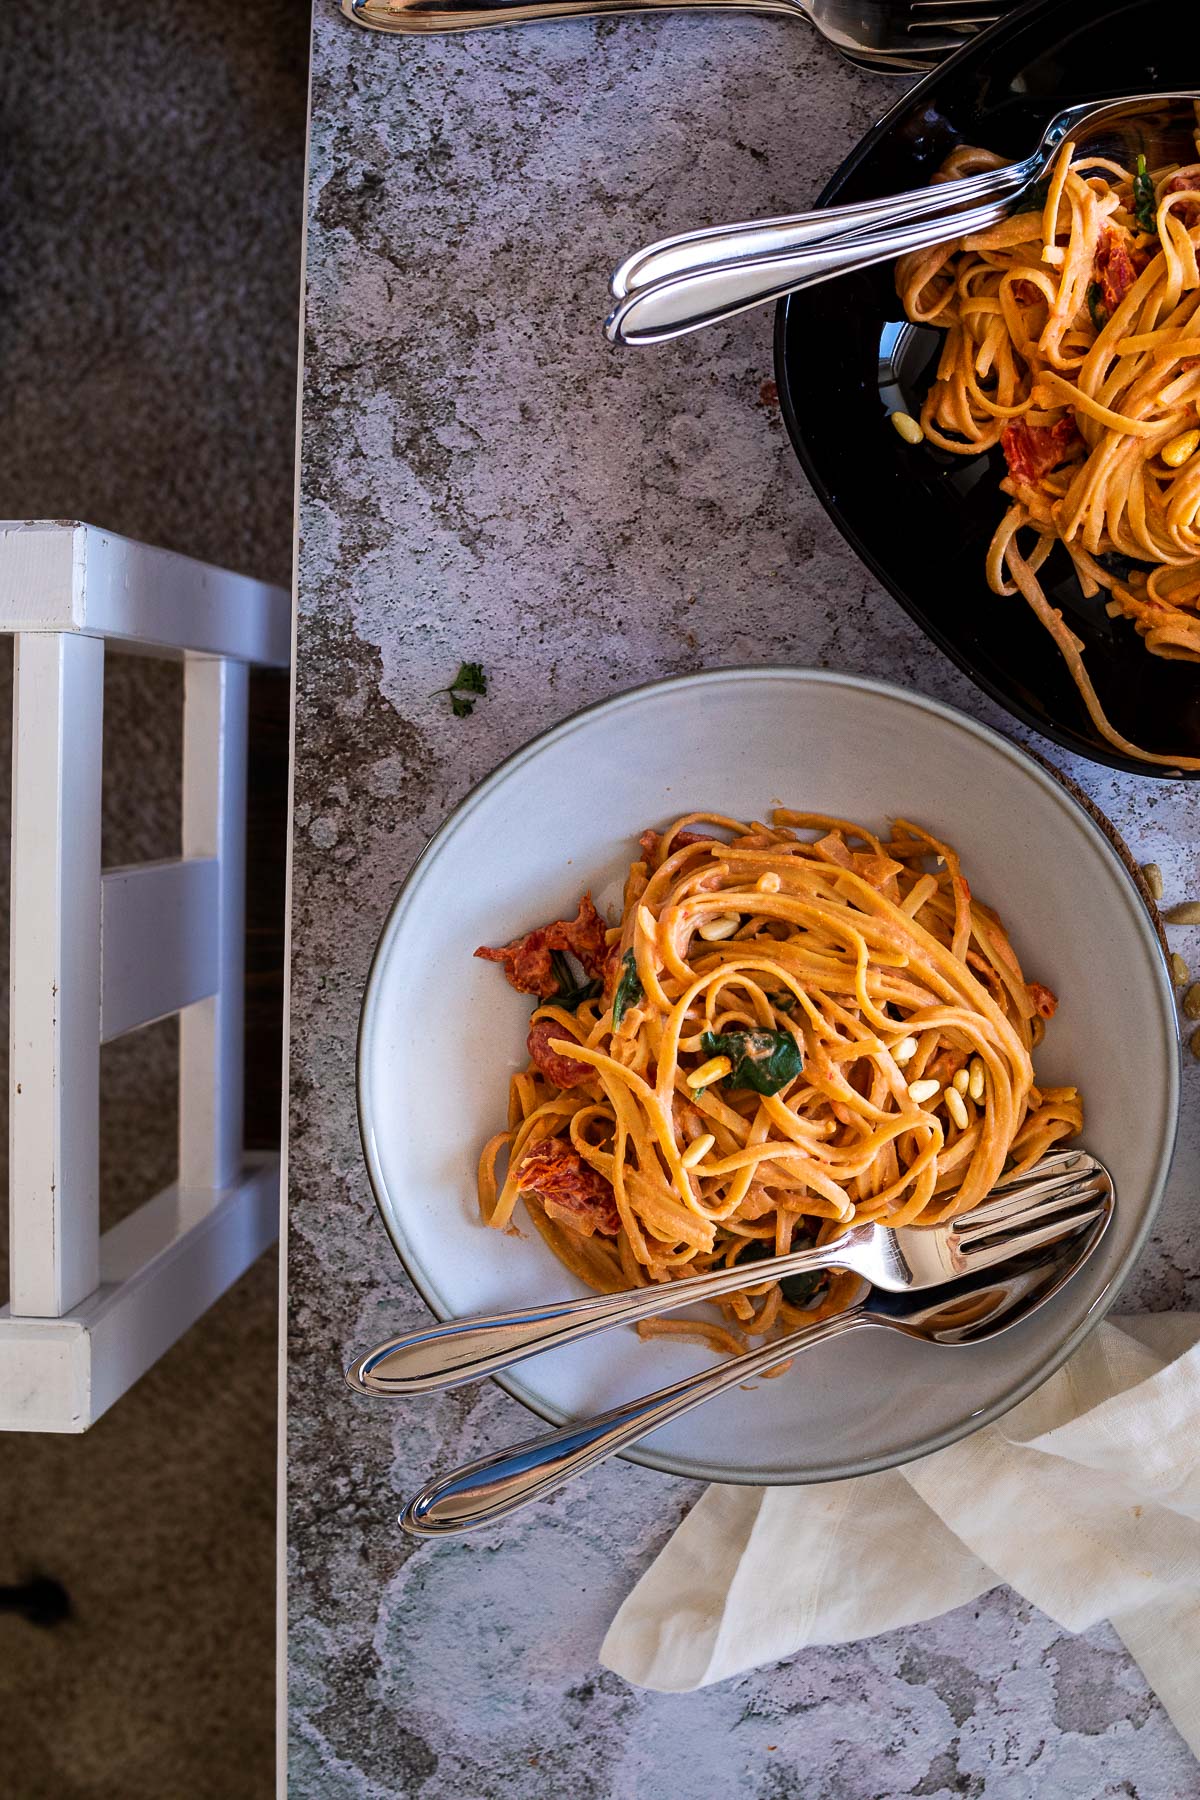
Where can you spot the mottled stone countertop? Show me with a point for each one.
(484, 477)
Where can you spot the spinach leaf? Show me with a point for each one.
(571, 993)
(629, 989)
(762, 1060)
(797, 1290)
(1034, 198)
(1121, 566)
(1095, 300)
(1145, 207)
(785, 1001)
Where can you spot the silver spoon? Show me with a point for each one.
(697, 278)
(1021, 1213)
(891, 30)
(967, 1312)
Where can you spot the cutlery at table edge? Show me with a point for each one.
(681, 283)
(1060, 1193)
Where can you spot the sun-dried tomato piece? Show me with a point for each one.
(946, 1064)
(1179, 184)
(1114, 269)
(651, 840)
(1045, 1000)
(572, 1192)
(1031, 451)
(562, 1070)
(528, 961)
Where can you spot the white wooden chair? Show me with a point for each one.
(96, 953)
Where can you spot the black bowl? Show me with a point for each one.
(920, 518)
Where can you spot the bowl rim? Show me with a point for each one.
(994, 740)
(1067, 737)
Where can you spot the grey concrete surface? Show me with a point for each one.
(483, 477)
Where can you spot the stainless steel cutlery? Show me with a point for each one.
(1064, 1191)
(951, 1284)
(969, 1311)
(891, 36)
(700, 277)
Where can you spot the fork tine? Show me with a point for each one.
(1005, 1249)
(943, 44)
(965, 27)
(1031, 1198)
(1053, 1159)
(1062, 1201)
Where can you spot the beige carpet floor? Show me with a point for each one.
(151, 190)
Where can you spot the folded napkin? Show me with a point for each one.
(1085, 1498)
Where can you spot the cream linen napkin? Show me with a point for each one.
(1085, 1498)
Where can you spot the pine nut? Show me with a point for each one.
(1180, 448)
(723, 926)
(908, 428)
(696, 1151)
(708, 1072)
(1179, 969)
(920, 1091)
(1191, 1002)
(956, 1108)
(975, 1086)
(1186, 913)
(1154, 880)
(961, 1081)
(904, 1051)
(768, 883)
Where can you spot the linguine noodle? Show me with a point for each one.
(1073, 342)
(796, 1026)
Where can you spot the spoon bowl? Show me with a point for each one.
(969, 1311)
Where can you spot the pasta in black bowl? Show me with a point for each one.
(922, 516)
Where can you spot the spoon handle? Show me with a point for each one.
(495, 1486)
(693, 250)
(459, 1350)
(416, 17)
(711, 293)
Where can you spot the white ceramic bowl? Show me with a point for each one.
(442, 1031)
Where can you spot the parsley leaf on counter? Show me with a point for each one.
(469, 681)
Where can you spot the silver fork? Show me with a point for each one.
(863, 28)
(1063, 1191)
(972, 1310)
